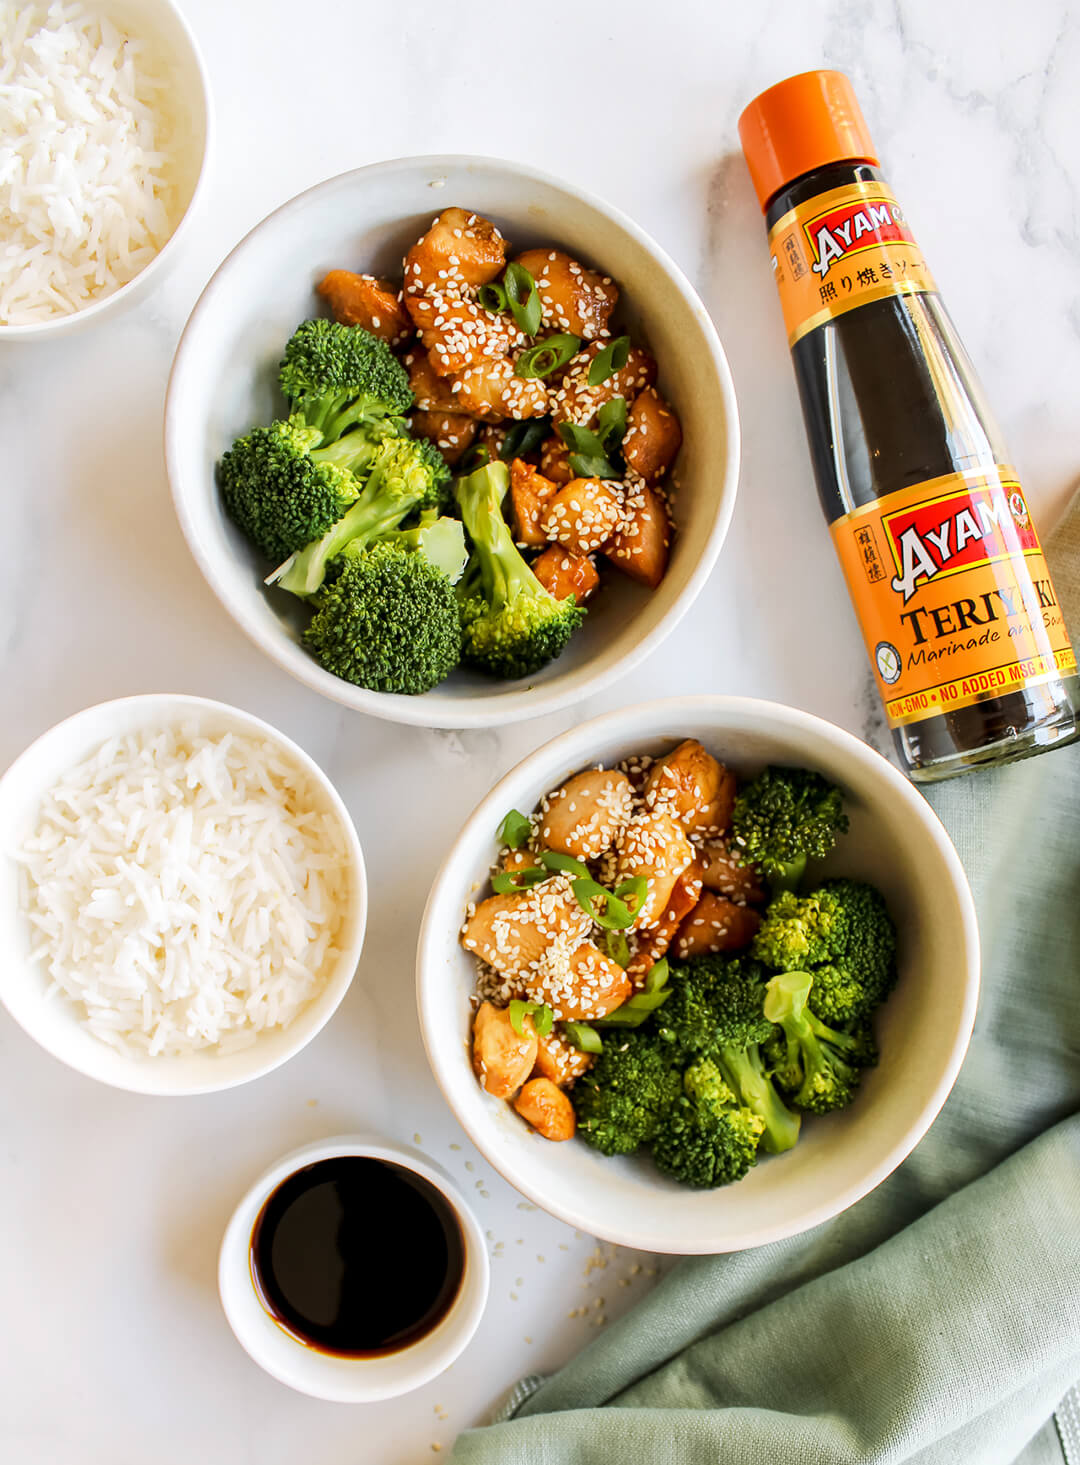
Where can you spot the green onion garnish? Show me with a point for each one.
(515, 830)
(523, 437)
(492, 297)
(612, 358)
(523, 299)
(513, 882)
(611, 422)
(547, 356)
(633, 1012)
(565, 864)
(617, 947)
(633, 892)
(582, 1036)
(607, 910)
(542, 1017)
(476, 457)
(588, 458)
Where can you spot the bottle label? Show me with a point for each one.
(952, 593)
(842, 249)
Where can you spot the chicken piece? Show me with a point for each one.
(559, 1060)
(573, 298)
(654, 845)
(451, 432)
(583, 514)
(639, 547)
(547, 1109)
(563, 573)
(513, 932)
(653, 944)
(693, 786)
(502, 1059)
(519, 859)
(578, 987)
(725, 872)
(363, 300)
(432, 392)
(555, 460)
(460, 249)
(530, 492)
(492, 436)
(574, 400)
(491, 390)
(457, 332)
(716, 924)
(583, 816)
(653, 436)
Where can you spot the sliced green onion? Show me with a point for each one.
(611, 422)
(547, 356)
(657, 975)
(606, 909)
(523, 298)
(523, 438)
(617, 947)
(476, 457)
(583, 1037)
(611, 359)
(633, 892)
(587, 456)
(514, 830)
(492, 297)
(633, 1012)
(565, 864)
(542, 1017)
(512, 882)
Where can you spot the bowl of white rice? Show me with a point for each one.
(182, 894)
(104, 135)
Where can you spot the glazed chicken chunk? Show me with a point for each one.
(513, 932)
(364, 300)
(573, 298)
(586, 814)
(460, 248)
(694, 787)
(654, 845)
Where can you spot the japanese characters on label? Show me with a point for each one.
(840, 250)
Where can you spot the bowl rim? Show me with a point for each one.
(431, 1354)
(496, 708)
(42, 329)
(137, 1076)
(665, 712)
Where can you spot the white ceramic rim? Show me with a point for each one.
(670, 710)
(39, 330)
(350, 957)
(432, 1354)
(528, 701)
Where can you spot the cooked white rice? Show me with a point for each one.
(86, 198)
(185, 891)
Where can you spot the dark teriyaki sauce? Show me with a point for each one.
(357, 1257)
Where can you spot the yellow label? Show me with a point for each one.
(952, 593)
(841, 250)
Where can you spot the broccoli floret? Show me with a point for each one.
(843, 934)
(707, 1138)
(281, 490)
(821, 1066)
(511, 625)
(404, 474)
(785, 817)
(440, 540)
(623, 1097)
(338, 376)
(388, 621)
(717, 1009)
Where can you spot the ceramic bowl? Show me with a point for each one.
(161, 23)
(55, 1023)
(895, 841)
(223, 382)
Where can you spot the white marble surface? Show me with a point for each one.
(114, 1349)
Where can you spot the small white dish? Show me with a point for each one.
(162, 23)
(322, 1375)
(54, 1023)
(896, 842)
(224, 380)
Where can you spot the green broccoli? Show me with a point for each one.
(717, 1010)
(784, 817)
(620, 1101)
(707, 1138)
(339, 376)
(404, 474)
(820, 1066)
(388, 621)
(440, 540)
(511, 625)
(843, 934)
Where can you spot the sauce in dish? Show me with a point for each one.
(357, 1257)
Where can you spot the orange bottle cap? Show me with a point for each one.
(801, 124)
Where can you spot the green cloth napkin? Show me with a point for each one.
(939, 1319)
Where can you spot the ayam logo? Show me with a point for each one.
(969, 528)
(855, 226)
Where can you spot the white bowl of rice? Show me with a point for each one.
(182, 894)
(105, 117)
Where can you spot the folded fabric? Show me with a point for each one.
(937, 1320)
